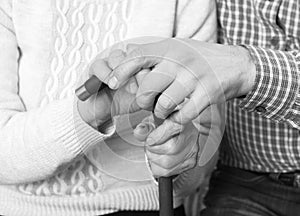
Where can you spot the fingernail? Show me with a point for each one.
(141, 132)
(150, 141)
(113, 82)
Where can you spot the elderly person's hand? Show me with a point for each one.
(172, 148)
(109, 103)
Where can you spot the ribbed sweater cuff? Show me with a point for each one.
(71, 132)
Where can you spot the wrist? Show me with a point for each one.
(247, 71)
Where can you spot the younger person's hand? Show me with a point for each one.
(203, 73)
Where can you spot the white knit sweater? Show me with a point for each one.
(51, 161)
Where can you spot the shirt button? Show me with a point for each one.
(297, 122)
(288, 45)
(260, 109)
(274, 41)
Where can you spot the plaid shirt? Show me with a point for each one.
(263, 129)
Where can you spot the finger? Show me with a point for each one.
(210, 118)
(187, 165)
(132, 86)
(159, 171)
(174, 95)
(185, 159)
(144, 56)
(154, 83)
(100, 69)
(133, 106)
(183, 145)
(205, 117)
(164, 132)
(141, 75)
(170, 147)
(115, 58)
(143, 129)
(169, 160)
(197, 103)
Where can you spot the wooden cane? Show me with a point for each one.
(165, 184)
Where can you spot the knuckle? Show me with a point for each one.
(164, 173)
(159, 172)
(96, 66)
(185, 117)
(170, 148)
(190, 62)
(189, 164)
(191, 114)
(176, 117)
(166, 163)
(173, 127)
(136, 55)
(120, 71)
(155, 171)
(143, 101)
(178, 128)
(115, 58)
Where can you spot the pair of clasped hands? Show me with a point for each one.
(190, 76)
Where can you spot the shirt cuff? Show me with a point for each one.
(276, 87)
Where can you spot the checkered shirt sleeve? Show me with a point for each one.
(275, 94)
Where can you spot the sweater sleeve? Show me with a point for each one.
(275, 94)
(197, 20)
(34, 143)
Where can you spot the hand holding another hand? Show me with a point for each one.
(108, 102)
(180, 69)
(172, 148)
(186, 83)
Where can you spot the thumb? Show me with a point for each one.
(143, 129)
(100, 69)
(138, 57)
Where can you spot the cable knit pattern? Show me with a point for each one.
(79, 39)
(60, 46)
